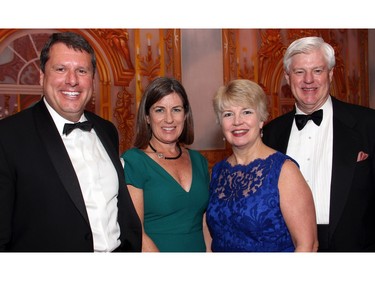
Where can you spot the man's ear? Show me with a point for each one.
(287, 78)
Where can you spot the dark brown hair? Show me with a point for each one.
(155, 91)
(71, 40)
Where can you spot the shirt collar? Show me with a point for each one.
(58, 119)
(326, 106)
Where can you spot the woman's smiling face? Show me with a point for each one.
(167, 118)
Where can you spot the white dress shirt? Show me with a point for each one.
(312, 148)
(98, 180)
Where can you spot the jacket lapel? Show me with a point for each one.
(346, 144)
(279, 135)
(59, 156)
(285, 131)
(126, 214)
(108, 144)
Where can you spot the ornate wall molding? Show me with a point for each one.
(115, 44)
(129, 59)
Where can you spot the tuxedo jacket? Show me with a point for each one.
(41, 204)
(352, 203)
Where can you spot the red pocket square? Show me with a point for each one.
(362, 156)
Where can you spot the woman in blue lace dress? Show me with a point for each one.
(259, 200)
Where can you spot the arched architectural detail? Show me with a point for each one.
(128, 59)
(115, 44)
(19, 68)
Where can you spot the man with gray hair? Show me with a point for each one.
(334, 144)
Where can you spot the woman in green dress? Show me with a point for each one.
(168, 183)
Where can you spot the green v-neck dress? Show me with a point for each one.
(172, 217)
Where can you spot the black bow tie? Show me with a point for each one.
(85, 126)
(301, 119)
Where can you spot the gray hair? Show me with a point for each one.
(306, 45)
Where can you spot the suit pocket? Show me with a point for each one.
(363, 174)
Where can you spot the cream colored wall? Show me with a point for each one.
(202, 75)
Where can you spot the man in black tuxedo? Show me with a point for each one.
(335, 148)
(63, 190)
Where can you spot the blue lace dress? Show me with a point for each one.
(243, 213)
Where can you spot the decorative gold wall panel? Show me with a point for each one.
(129, 59)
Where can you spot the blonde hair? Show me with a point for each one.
(241, 92)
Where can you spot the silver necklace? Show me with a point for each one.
(161, 155)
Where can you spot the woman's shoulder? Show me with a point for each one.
(135, 160)
(194, 152)
(133, 153)
(221, 163)
(195, 156)
(284, 159)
